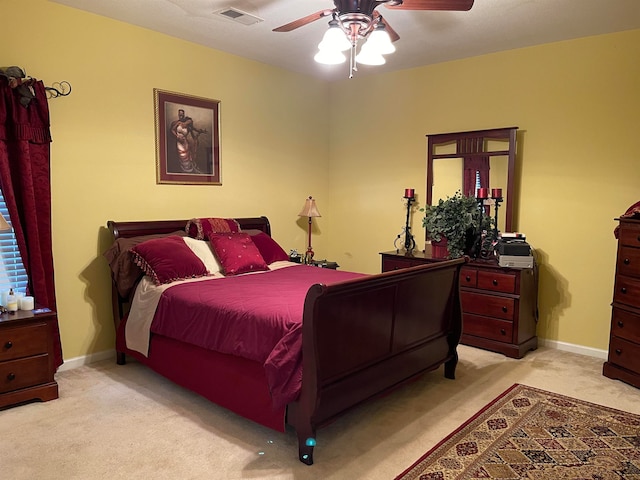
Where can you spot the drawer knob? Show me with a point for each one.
(618, 351)
(8, 345)
(495, 282)
(623, 289)
(505, 309)
(502, 331)
(626, 261)
(467, 278)
(620, 323)
(11, 376)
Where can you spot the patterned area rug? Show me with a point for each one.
(531, 433)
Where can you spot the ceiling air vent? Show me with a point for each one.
(239, 16)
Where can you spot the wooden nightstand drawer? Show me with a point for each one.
(629, 261)
(625, 353)
(468, 277)
(23, 341)
(24, 372)
(627, 291)
(629, 235)
(497, 282)
(487, 305)
(491, 328)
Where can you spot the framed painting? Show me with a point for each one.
(187, 139)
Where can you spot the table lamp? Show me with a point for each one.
(309, 210)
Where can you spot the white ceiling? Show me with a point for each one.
(426, 37)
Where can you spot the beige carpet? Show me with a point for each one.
(114, 422)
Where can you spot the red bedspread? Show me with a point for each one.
(256, 316)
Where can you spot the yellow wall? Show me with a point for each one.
(576, 104)
(274, 128)
(286, 136)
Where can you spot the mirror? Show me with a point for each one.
(448, 153)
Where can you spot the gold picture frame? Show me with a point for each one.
(187, 139)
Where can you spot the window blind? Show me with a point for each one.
(12, 272)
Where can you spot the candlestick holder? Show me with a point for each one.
(409, 241)
(496, 201)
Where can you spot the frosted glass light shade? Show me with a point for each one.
(380, 42)
(334, 39)
(330, 57)
(369, 57)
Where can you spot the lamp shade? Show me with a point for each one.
(4, 225)
(309, 209)
(334, 39)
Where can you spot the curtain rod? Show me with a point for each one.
(17, 77)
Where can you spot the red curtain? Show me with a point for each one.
(25, 180)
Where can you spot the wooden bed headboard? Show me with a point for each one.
(135, 229)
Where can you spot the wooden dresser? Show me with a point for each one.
(26, 357)
(499, 305)
(623, 362)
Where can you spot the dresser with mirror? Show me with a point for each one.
(499, 304)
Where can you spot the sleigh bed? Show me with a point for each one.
(348, 337)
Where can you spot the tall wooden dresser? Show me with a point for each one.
(624, 343)
(499, 304)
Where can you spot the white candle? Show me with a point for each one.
(27, 303)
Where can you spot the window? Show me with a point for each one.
(12, 272)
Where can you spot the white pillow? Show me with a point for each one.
(202, 250)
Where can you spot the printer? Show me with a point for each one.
(514, 251)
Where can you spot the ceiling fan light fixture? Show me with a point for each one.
(330, 57)
(367, 56)
(334, 39)
(380, 41)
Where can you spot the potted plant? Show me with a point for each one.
(459, 221)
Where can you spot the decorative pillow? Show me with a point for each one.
(203, 251)
(268, 247)
(199, 228)
(124, 271)
(168, 259)
(237, 253)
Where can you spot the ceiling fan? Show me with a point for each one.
(353, 20)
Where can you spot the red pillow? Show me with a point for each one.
(237, 253)
(168, 259)
(268, 247)
(200, 228)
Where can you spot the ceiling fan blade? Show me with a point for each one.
(461, 5)
(304, 21)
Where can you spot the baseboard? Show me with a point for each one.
(87, 359)
(570, 347)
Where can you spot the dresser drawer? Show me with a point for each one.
(389, 264)
(485, 327)
(487, 305)
(468, 277)
(629, 261)
(625, 325)
(497, 282)
(629, 234)
(18, 342)
(24, 372)
(627, 291)
(625, 354)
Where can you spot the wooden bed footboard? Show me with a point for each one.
(364, 337)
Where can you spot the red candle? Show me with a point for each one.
(409, 193)
(496, 193)
(483, 193)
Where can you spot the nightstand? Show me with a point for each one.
(26, 357)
